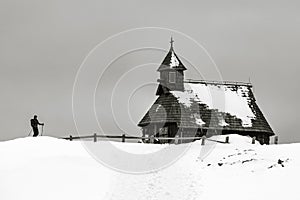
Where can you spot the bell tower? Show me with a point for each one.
(171, 73)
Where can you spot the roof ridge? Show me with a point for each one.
(235, 83)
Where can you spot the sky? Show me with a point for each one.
(44, 43)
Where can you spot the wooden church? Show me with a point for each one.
(197, 108)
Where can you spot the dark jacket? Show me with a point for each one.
(35, 123)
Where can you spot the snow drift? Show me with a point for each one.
(49, 168)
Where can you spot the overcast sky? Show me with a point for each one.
(43, 44)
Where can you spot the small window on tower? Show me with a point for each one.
(172, 77)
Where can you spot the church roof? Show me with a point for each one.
(209, 105)
(171, 61)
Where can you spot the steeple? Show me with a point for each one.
(171, 60)
(171, 72)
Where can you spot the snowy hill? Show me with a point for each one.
(49, 168)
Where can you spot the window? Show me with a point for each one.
(172, 77)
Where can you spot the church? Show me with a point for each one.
(196, 107)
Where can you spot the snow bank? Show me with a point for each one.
(235, 139)
(49, 168)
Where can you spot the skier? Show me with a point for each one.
(34, 124)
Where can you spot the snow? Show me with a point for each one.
(158, 107)
(184, 97)
(174, 61)
(198, 119)
(49, 168)
(222, 122)
(221, 97)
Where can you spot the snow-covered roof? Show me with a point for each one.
(207, 105)
(171, 61)
(174, 62)
(230, 99)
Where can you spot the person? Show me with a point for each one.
(34, 124)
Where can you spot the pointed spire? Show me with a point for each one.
(171, 42)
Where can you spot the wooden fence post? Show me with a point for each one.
(181, 136)
(227, 140)
(203, 140)
(253, 140)
(152, 139)
(146, 138)
(71, 138)
(95, 137)
(123, 138)
(176, 139)
(276, 139)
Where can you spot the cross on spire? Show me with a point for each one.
(171, 42)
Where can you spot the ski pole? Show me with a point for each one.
(30, 132)
(42, 130)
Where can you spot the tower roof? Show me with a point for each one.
(171, 60)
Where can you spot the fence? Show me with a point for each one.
(146, 139)
(152, 139)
